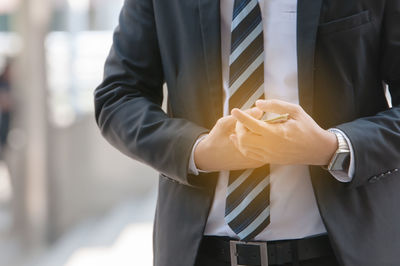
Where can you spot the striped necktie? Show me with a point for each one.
(247, 201)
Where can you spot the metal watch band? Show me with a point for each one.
(342, 151)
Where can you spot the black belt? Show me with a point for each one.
(237, 253)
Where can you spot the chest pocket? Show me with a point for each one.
(345, 23)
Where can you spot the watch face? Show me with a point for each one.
(341, 161)
(346, 163)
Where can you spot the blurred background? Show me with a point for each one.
(66, 196)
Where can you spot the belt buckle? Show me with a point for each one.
(261, 245)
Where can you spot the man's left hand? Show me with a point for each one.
(300, 140)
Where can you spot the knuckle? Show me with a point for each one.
(222, 121)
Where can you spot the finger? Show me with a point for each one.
(253, 141)
(241, 132)
(227, 122)
(248, 121)
(279, 107)
(246, 140)
(255, 112)
(234, 140)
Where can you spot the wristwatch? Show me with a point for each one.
(341, 159)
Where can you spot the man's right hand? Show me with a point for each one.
(216, 152)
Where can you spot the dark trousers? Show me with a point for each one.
(205, 259)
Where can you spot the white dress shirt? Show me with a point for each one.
(293, 208)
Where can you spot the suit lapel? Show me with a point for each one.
(308, 14)
(211, 37)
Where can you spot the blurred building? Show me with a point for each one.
(59, 171)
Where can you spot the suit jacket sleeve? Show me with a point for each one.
(376, 139)
(128, 102)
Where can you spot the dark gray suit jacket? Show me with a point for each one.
(346, 49)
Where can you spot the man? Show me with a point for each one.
(235, 177)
